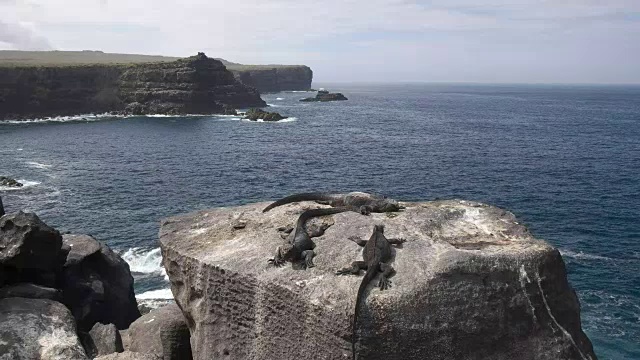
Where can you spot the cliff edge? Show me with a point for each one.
(195, 85)
(470, 283)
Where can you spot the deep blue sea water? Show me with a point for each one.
(564, 159)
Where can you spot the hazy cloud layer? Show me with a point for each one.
(375, 40)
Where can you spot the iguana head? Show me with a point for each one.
(389, 205)
(378, 228)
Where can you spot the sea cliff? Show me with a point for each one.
(195, 85)
(274, 78)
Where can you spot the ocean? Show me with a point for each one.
(564, 159)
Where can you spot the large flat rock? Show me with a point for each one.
(470, 283)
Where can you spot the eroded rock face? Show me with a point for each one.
(259, 114)
(274, 78)
(162, 332)
(37, 329)
(28, 243)
(30, 291)
(194, 85)
(103, 340)
(470, 283)
(97, 284)
(128, 355)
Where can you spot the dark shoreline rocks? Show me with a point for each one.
(324, 95)
(56, 289)
(9, 182)
(259, 114)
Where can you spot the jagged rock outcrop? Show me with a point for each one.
(162, 332)
(37, 329)
(97, 284)
(470, 283)
(276, 78)
(103, 339)
(259, 114)
(195, 85)
(324, 96)
(9, 182)
(30, 250)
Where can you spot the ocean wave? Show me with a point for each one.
(145, 261)
(96, 117)
(25, 185)
(583, 256)
(289, 119)
(73, 118)
(272, 105)
(279, 99)
(37, 165)
(160, 294)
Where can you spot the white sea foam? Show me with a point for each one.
(82, 117)
(289, 119)
(145, 261)
(25, 185)
(279, 98)
(164, 294)
(273, 105)
(37, 165)
(582, 256)
(20, 149)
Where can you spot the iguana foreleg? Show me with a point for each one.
(355, 268)
(308, 256)
(357, 240)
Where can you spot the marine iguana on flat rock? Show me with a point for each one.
(301, 246)
(361, 202)
(376, 254)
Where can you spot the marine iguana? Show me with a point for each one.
(300, 245)
(376, 254)
(361, 202)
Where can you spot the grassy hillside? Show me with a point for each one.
(10, 58)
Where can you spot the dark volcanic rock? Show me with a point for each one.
(28, 243)
(97, 285)
(324, 95)
(9, 182)
(103, 340)
(259, 114)
(30, 291)
(470, 283)
(195, 85)
(163, 332)
(1, 207)
(37, 329)
(274, 78)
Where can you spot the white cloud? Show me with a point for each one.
(316, 32)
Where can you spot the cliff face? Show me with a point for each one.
(274, 79)
(470, 283)
(195, 85)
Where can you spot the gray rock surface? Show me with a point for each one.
(80, 246)
(28, 243)
(128, 355)
(104, 340)
(37, 329)
(162, 332)
(97, 285)
(470, 283)
(30, 291)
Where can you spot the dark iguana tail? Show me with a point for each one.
(301, 197)
(308, 214)
(368, 276)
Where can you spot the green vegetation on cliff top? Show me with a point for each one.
(9, 58)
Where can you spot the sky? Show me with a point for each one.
(493, 41)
